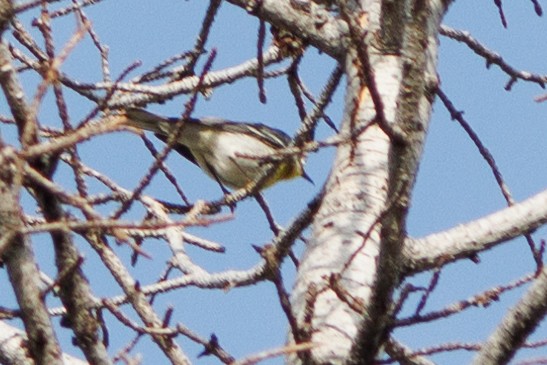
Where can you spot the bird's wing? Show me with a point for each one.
(271, 136)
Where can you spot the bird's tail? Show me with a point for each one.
(142, 119)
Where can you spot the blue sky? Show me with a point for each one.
(454, 184)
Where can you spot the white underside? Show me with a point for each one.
(235, 157)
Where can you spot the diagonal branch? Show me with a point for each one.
(476, 236)
(517, 325)
(492, 58)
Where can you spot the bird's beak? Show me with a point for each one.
(307, 177)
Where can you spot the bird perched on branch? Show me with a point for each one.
(235, 154)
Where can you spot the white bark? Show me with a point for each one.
(517, 325)
(478, 235)
(14, 351)
(357, 192)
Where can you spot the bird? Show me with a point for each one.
(235, 154)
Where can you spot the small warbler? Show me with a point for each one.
(229, 152)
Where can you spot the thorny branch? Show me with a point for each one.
(89, 203)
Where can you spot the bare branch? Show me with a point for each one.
(468, 239)
(485, 153)
(516, 326)
(492, 58)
